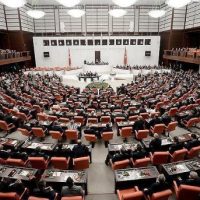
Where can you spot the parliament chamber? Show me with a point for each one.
(99, 99)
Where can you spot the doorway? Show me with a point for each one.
(97, 57)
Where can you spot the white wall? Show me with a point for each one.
(112, 54)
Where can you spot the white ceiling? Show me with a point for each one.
(95, 2)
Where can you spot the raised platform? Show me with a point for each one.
(14, 60)
(97, 68)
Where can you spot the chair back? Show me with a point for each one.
(144, 115)
(159, 158)
(37, 162)
(55, 135)
(81, 163)
(119, 119)
(9, 196)
(159, 128)
(172, 112)
(179, 155)
(79, 119)
(105, 119)
(90, 137)
(143, 162)
(37, 198)
(120, 164)
(194, 152)
(38, 132)
(133, 118)
(192, 122)
(52, 118)
(126, 132)
(24, 131)
(138, 195)
(72, 198)
(59, 163)
(171, 126)
(92, 120)
(71, 134)
(3, 125)
(163, 195)
(63, 120)
(15, 162)
(42, 116)
(186, 192)
(141, 134)
(106, 136)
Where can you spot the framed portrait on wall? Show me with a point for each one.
(45, 42)
(111, 42)
(125, 41)
(133, 42)
(97, 42)
(90, 42)
(75, 42)
(53, 42)
(104, 42)
(118, 42)
(83, 43)
(147, 41)
(140, 42)
(61, 42)
(68, 42)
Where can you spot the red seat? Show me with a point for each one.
(126, 132)
(130, 194)
(105, 119)
(79, 119)
(172, 112)
(91, 138)
(37, 198)
(158, 128)
(60, 162)
(143, 162)
(25, 132)
(38, 162)
(119, 119)
(171, 127)
(71, 135)
(133, 118)
(52, 118)
(141, 134)
(12, 195)
(63, 120)
(144, 115)
(159, 158)
(163, 195)
(81, 163)
(38, 132)
(107, 136)
(15, 162)
(190, 123)
(186, 192)
(194, 152)
(73, 198)
(92, 120)
(6, 127)
(120, 164)
(179, 155)
(42, 117)
(56, 135)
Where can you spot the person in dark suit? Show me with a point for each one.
(158, 186)
(38, 153)
(176, 146)
(4, 183)
(155, 120)
(16, 186)
(155, 143)
(193, 180)
(80, 150)
(60, 152)
(142, 109)
(108, 128)
(56, 127)
(166, 119)
(193, 143)
(140, 124)
(43, 191)
(138, 153)
(4, 154)
(71, 190)
(17, 154)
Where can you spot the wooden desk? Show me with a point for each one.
(181, 168)
(57, 178)
(14, 172)
(33, 145)
(125, 124)
(142, 177)
(112, 148)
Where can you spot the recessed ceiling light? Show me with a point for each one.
(124, 3)
(77, 13)
(36, 14)
(13, 3)
(156, 13)
(117, 12)
(69, 3)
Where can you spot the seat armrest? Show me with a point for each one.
(175, 188)
(136, 188)
(23, 193)
(10, 125)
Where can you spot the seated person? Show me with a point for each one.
(4, 183)
(155, 143)
(80, 150)
(192, 143)
(38, 153)
(108, 128)
(71, 190)
(56, 127)
(193, 179)
(16, 186)
(166, 119)
(142, 109)
(60, 152)
(158, 186)
(140, 124)
(176, 146)
(17, 154)
(4, 154)
(155, 120)
(138, 153)
(43, 191)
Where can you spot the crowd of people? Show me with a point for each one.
(139, 67)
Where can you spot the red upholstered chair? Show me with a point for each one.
(126, 132)
(81, 163)
(12, 195)
(186, 192)
(158, 105)
(92, 120)
(133, 118)
(63, 120)
(79, 119)
(158, 128)
(52, 118)
(36, 198)
(25, 132)
(130, 194)
(159, 158)
(119, 119)
(6, 127)
(179, 155)
(181, 109)
(105, 119)
(193, 152)
(73, 198)
(38, 132)
(120, 164)
(144, 115)
(172, 112)
(71, 135)
(15, 162)
(2, 161)
(171, 127)
(190, 123)
(60, 162)
(163, 195)
(56, 135)
(107, 136)
(42, 117)
(38, 162)
(91, 138)
(37, 108)
(23, 116)
(143, 162)
(141, 134)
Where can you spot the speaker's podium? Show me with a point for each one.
(97, 67)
